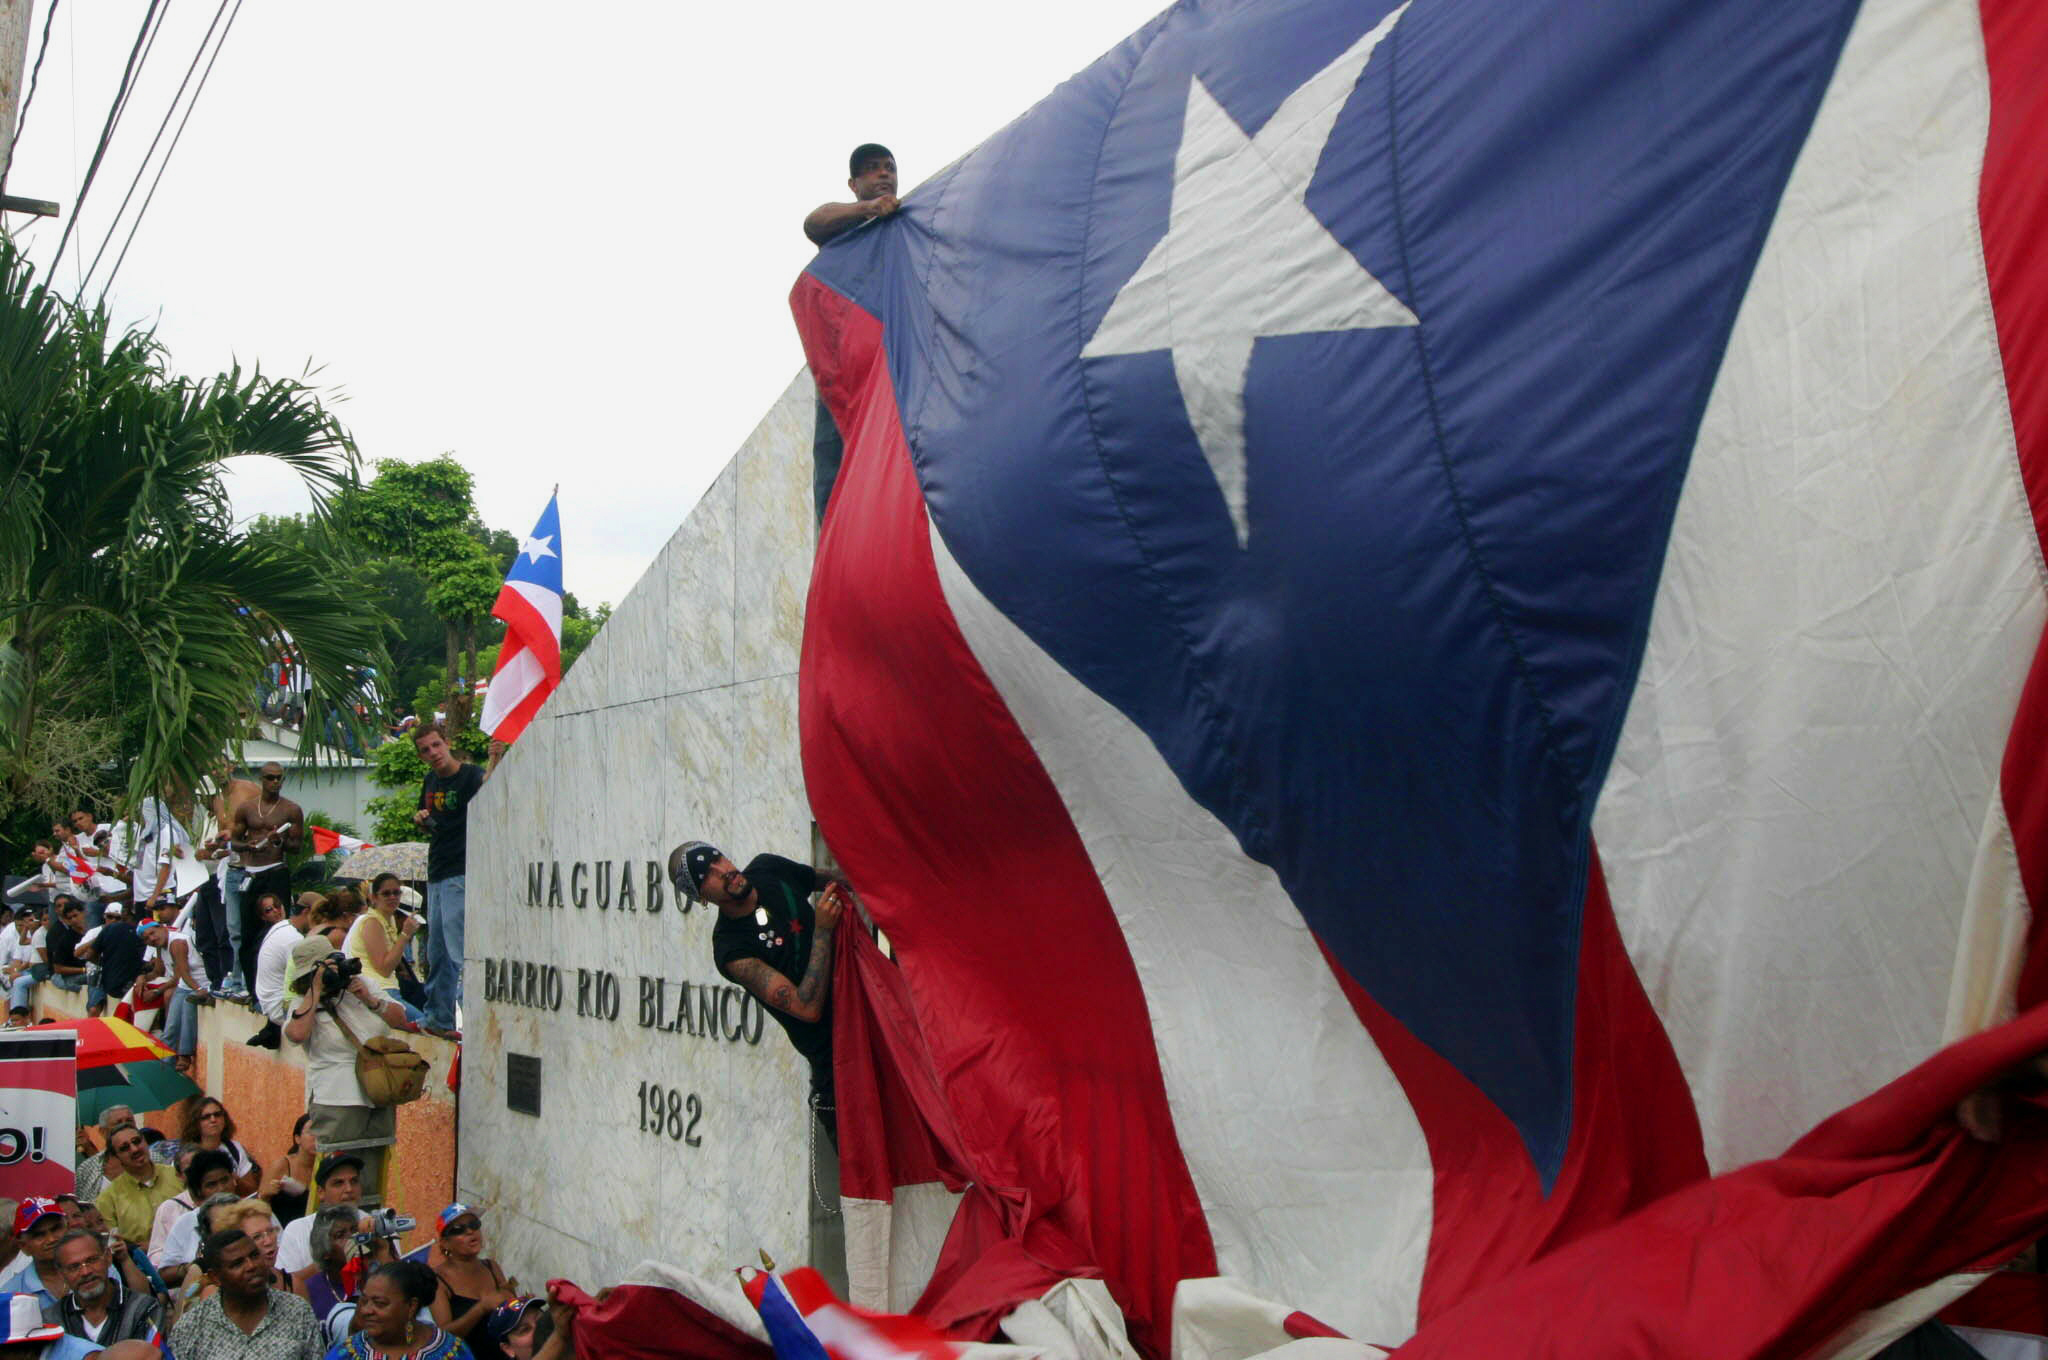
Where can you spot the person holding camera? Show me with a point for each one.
(334, 1012)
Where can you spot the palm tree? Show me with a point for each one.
(112, 507)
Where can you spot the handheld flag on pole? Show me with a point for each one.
(530, 660)
(327, 840)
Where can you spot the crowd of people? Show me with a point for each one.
(195, 1247)
(184, 1241)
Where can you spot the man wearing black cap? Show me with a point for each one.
(872, 168)
(770, 940)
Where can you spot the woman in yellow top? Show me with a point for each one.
(379, 937)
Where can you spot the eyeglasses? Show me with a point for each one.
(465, 1227)
(389, 892)
(214, 1114)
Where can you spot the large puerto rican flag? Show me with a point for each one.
(1428, 637)
(530, 658)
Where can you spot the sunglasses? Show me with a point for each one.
(468, 1225)
(389, 892)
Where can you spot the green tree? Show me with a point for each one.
(424, 515)
(113, 510)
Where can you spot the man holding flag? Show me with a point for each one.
(529, 669)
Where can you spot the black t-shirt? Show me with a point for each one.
(782, 891)
(120, 952)
(62, 942)
(447, 803)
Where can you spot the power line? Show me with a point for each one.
(142, 168)
(169, 151)
(145, 38)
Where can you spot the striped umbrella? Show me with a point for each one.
(119, 1064)
(102, 1042)
(148, 1084)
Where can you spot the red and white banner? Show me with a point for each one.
(38, 1111)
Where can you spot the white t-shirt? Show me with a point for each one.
(272, 958)
(17, 950)
(295, 1243)
(163, 1230)
(161, 836)
(331, 1058)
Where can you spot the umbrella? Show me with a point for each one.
(103, 1042)
(407, 859)
(119, 1064)
(146, 1084)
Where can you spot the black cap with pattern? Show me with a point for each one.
(686, 866)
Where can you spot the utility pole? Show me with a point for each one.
(14, 26)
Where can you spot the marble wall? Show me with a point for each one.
(679, 723)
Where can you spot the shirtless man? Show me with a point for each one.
(230, 793)
(263, 831)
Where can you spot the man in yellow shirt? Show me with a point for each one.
(129, 1204)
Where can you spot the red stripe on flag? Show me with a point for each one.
(525, 626)
(522, 713)
(1028, 998)
(1771, 1261)
(1635, 1134)
(2012, 212)
(2009, 1301)
(648, 1322)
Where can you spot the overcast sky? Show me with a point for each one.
(555, 240)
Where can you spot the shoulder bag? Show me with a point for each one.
(388, 1070)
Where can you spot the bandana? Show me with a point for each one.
(686, 866)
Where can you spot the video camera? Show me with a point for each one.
(388, 1224)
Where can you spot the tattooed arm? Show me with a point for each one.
(805, 1000)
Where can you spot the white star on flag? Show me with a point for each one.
(1244, 257)
(534, 549)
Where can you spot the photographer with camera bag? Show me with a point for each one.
(357, 1070)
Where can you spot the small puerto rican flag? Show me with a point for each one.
(326, 841)
(806, 1321)
(530, 660)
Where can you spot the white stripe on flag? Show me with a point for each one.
(1311, 1167)
(1849, 604)
(545, 602)
(519, 675)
